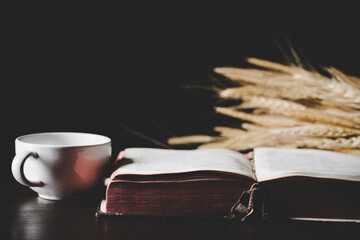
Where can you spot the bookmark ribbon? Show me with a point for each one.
(249, 207)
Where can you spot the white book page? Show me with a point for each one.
(161, 161)
(327, 219)
(271, 163)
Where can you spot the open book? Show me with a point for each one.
(295, 183)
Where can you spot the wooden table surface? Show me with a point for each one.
(26, 216)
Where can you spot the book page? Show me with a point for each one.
(271, 163)
(327, 219)
(161, 161)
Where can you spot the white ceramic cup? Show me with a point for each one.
(61, 165)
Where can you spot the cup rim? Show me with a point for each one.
(103, 140)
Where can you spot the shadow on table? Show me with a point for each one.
(35, 218)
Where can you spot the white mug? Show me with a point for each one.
(61, 165)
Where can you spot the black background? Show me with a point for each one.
(99, 68)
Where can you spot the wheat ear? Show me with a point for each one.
(256, 77)
(316, 130)
(266, 91)
(344, 85)
(315, 116)
(330, 144)
(273, 103)
(297, 73)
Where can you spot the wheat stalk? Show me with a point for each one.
(250, 140)
(276, 66)
(193, 139)
(227, 131)
(264, 90)
(253, 127)
(289, 107)
(266, 120)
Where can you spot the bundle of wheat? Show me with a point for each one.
(287, 106)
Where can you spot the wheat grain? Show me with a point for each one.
(344, 86)
(310, 130)
(349, 114)
(330, 144)
(346, 106)
(316, 130)
(273, 103)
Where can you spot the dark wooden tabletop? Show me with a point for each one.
(26, 216)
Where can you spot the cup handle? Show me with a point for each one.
(17, 168)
